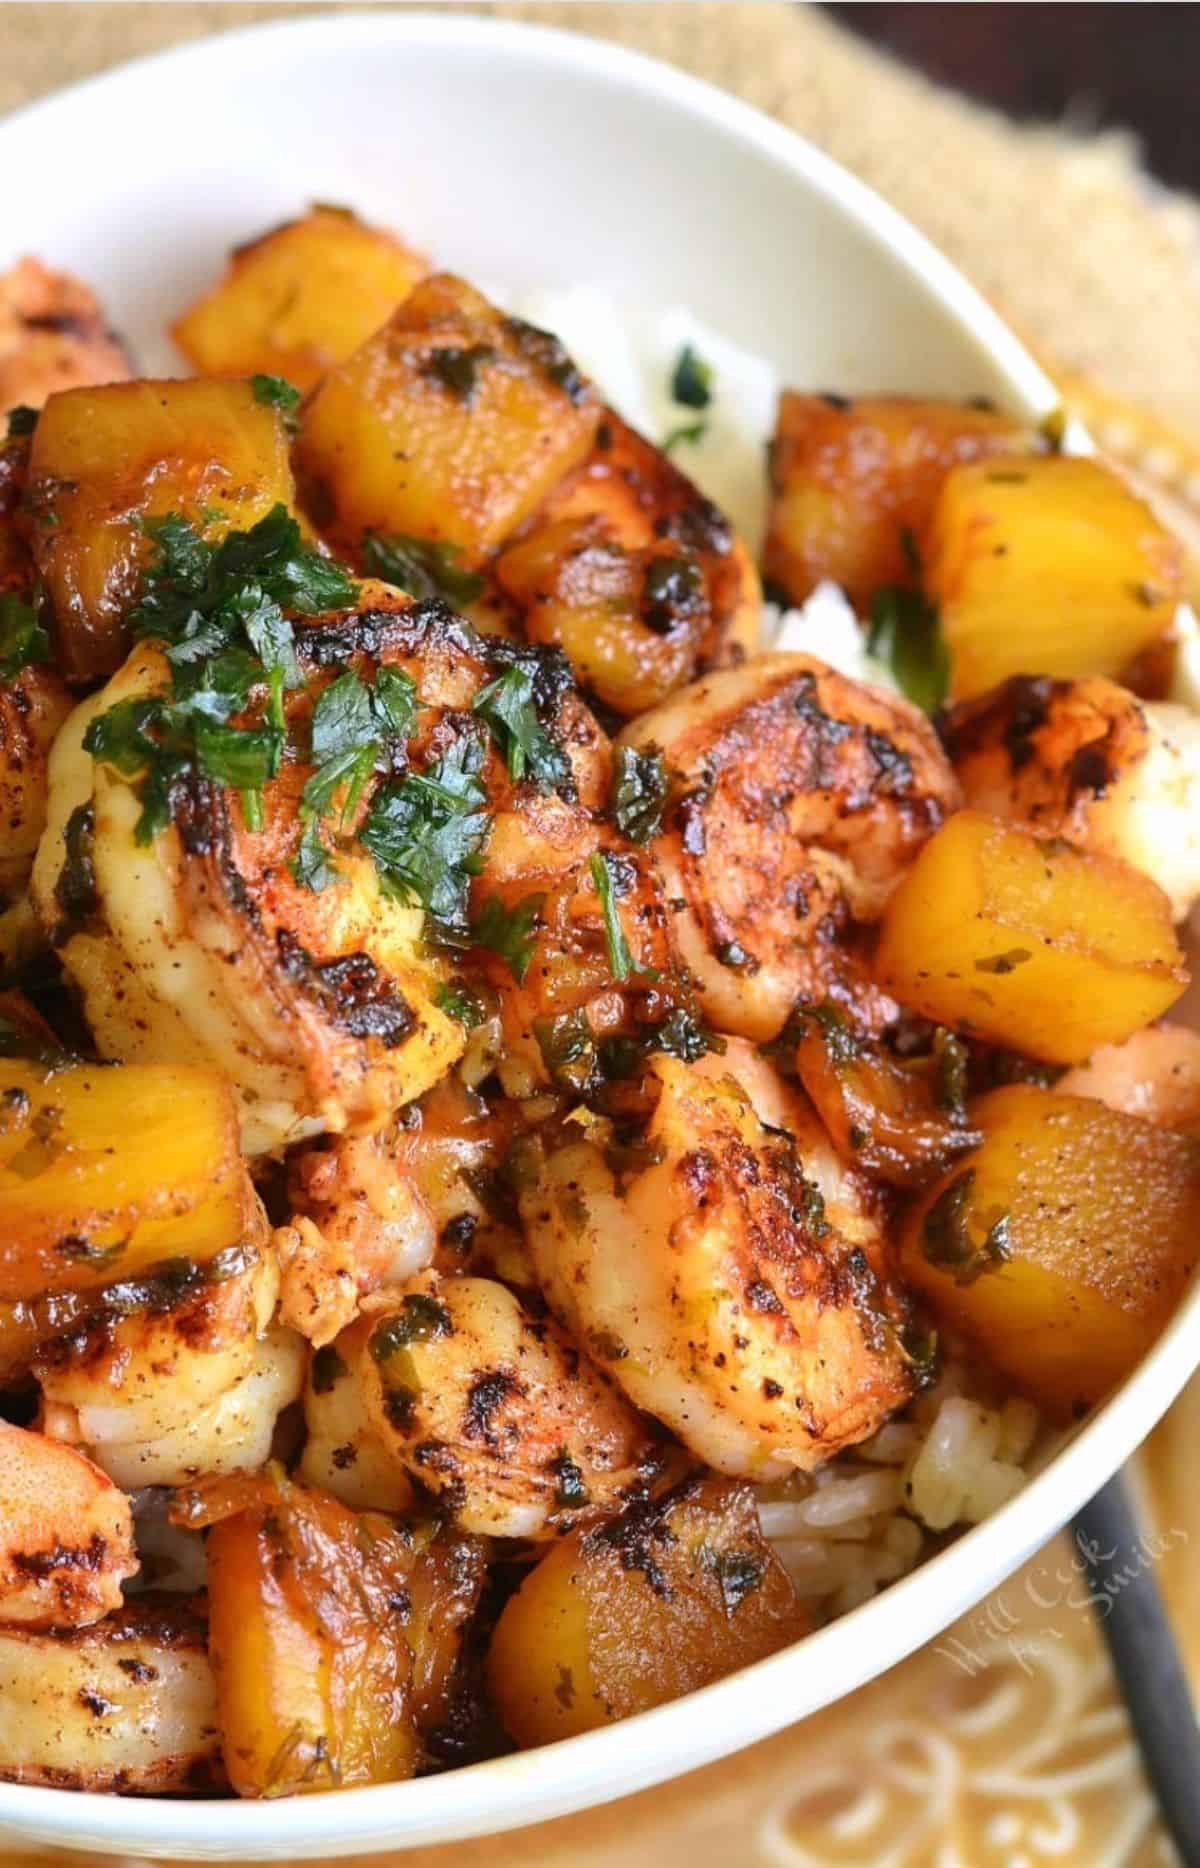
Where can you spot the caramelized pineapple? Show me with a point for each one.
(450, 425)
(104, 461)
(1028, 942)
(1047, 567)
(1060, 1247)
(299, 299)
(853, 484)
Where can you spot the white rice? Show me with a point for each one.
(874, 1513)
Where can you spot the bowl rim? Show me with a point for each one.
(616, 1761)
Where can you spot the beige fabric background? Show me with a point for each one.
(1004, 1745)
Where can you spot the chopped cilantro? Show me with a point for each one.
(352, 722)
(639, 793)
(427, 834)
(682, 1035)
(456, 368)
(312, 866)
(22, 420)
(509, 931)
(687, 434)
(948, 1241)
(218, 611)
(23, 641)
(457, 1001)
(621, 962)
(691, 379)
(905, 633)
(276, 393)
(568, 1047)
(244, 757)
(507, 707)
(420, 566)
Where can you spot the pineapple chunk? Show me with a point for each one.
(1047, 567)
(104, 1171)
(451, 424)
(673, 1595)
(105, 460)
(299, 299)
(1028, 942)
(853, 485)
(1060, 1246)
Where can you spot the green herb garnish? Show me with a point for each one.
(218, 611)
(682, 1035)
(639, 793)
(427, 834)
(276, 393)
(22, 420)
(352, 724)
(691, 379)
(23, 641)
(420, 566)
(905, 634)
(621, 962)
(506, 705)
(688, 434)
(947, 1239)
(509, 931)
(457, 1001)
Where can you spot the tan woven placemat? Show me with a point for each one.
(1003, 1745)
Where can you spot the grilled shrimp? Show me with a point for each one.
(496, 1412)
(127, 1705)
(358, 1222)
(52, 336)
(1155, 1075)
(201, 945)
(344, 1452)
(725, 1267)
(801, 798)
(634, 573)
(233, 1433)
(160, 1353)
(1087, 760)
(66, 1534)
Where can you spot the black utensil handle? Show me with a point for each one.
(1146, 1660)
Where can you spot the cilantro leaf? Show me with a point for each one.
(639, 793)
(343, 719)
(691, 379)
(244, 757)
(421, 566)
(687, 434)
(427, 833)
(621, 962)
(905, 633)
(394, 702)
(682, 1035)
(22, 420)
(120, 736)
(23, 641)
(509, 931)
(458, 1001)
(351, 722)
(312, 865)
(275, 392)
(507, 707)
(218, 612)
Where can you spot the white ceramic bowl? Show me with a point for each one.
(535, 158)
